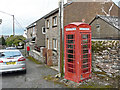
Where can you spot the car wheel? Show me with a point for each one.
(24, 72)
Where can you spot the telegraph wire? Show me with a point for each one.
(6, 13)
(14, 19)
(19, 25)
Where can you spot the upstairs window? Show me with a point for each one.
(55, 44)
(48, 24)
(33, 30)
(98, 27)
(55, 21)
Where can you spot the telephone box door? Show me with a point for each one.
(85, 54)
(70, 60)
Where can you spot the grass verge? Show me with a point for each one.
(34, 60)
(73, 85)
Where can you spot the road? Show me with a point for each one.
(34, 78)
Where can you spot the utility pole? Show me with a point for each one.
(0, 21)
(13, 21)
(61, 38)
(13, 25)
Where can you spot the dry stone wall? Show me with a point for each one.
(106, 57)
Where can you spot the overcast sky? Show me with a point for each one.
(25, 11)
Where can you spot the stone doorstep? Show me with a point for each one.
(36, 52)
(55, 68)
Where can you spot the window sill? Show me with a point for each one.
(43, 33)
(54, 26)
(55, 49)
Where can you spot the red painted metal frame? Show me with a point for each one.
(76, 75)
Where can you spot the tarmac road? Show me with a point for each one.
(34, 78)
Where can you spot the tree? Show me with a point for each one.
(2, 41)
(14, 40)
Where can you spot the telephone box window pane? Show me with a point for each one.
(85, 66)
(85, 36)
(70, 41)
(86, 70)
(85, 41)
(85, 46)
(70, 60)
(85, 61)
(71, 65)
(70, 36)
(70, 46)
(70, 56)
(85, 56)
(85, 51)
(71, 70)
(70, 51)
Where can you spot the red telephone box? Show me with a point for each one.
(77, 51)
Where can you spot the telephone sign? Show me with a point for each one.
(70, 29)
(84, 28)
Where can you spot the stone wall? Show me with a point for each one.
(106, 57)
(46, 56)
(50, 57)
(37, 55)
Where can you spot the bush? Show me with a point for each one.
(14, 40)
(104, 45)
(2, 41)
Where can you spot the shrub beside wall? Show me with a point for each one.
(104, 45)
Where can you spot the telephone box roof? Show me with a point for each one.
(77, 23)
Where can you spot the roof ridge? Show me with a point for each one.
(106, 16)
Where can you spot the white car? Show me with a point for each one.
(11, 48)
(12, 60)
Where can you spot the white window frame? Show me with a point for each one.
(55, 20)
(43, 30)
(98, 27)
(55, 44)
(48, 24)
(48, 43)
(34, 30)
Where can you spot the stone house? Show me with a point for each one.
(52, 29)
(36, 32)
(105, 27)
(40, 35)
(31, 31)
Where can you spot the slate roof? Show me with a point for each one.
(112, 20)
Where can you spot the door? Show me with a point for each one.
(70, 68)
(85, 54)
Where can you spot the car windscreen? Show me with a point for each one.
(9, 54)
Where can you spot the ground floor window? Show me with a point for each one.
(48, 43)
(55, 44)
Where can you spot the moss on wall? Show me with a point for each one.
(104, 45)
